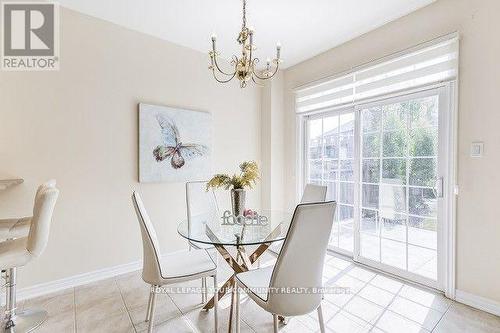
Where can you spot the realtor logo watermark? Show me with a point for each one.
(30, 36)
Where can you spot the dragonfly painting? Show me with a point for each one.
(174, 144)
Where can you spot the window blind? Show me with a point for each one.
(432, 63)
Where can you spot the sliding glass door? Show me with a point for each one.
(399, 184)
(330, 151)
(383, 163)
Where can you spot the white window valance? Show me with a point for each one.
(429, 63)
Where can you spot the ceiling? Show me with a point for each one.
(305, 28)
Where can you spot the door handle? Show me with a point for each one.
(439, 188)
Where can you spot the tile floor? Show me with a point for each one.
(374, 303)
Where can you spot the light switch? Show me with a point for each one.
(476, 149)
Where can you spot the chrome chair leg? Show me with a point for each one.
(152, 311)
(237, 308)
(216, 300)
(320, 319)
(14, 321)
(149, 303)
(275, 323)
(204, 290)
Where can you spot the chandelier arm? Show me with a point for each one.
(257, 83)
(222, 80)
(265, 77)
(220, 70)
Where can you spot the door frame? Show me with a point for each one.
(449, 120)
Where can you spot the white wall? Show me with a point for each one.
(478, 234)
(273, 126)
(80, 126)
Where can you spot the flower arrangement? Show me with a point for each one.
(249, 174)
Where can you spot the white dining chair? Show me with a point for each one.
(19, 252)
(201, 207)
(312, 193)
(20, 226)
(158, 270)
(299, 265)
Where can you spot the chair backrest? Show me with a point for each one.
(301, 259)
(392, 199)
(49, 183)
(43, 209)
(201, 204)
(151, 270)
(313, 193)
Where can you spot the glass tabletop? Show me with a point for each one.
(265, 226)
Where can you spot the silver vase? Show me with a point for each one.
(238, 201)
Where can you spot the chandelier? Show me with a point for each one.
(245, 66)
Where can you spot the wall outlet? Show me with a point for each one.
(477, 149)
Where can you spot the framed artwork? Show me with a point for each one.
(174, 144)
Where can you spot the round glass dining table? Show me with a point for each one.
(260, 228)
(224, 230)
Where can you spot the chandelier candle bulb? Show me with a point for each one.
(214, 37)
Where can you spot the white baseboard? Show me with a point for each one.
(478, 302)
(78, 280)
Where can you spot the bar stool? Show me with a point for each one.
(20, 227)
(18, 252)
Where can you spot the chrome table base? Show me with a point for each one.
(242, 262)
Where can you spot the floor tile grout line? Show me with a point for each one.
(356, 294)
(388, 305)
(175, 304)
(379, 272)
(125, 304)
(410, 320)
(188, 323)
(444, 314)
(245, 299)
(427, 307)
(342, 308)
(402, 316)
(405, 317)
(397, 293)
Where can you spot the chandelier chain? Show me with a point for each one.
(244, 14)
